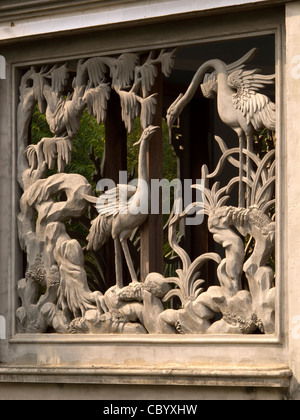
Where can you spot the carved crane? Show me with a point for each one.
(120, 212)
(240, 105)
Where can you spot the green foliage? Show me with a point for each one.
(169, 157)
(91, 134)
(39, 127)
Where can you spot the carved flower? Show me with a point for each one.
(53, 278)
(133, 292)
(78, 325)
(36, 272)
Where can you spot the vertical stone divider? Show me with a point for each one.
(152, 230)
(290, 315)
(115, 161)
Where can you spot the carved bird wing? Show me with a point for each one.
(240, 64)
(209, 86)
(96, 100)
(257, 108)
(114, 201)
(109, 205)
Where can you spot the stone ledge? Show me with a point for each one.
(45, 17)
(31, 8)
(270, 377)
(166, 339)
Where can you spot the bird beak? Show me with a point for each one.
(170, 122)
(151, 130)
(90, 199)
(137, 143)
(173, 113)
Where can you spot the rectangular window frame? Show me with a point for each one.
(42, 346)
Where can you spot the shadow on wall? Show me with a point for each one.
(2, 67)
(2, 328)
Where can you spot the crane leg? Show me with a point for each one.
(129, 261)
(118, 263)
(249, 167)
(241, 174)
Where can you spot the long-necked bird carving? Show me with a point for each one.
(120, 212)
(239, 103)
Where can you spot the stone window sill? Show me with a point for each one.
(266, 377)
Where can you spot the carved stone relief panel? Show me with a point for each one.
(55, 294)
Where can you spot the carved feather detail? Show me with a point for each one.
(257, 108)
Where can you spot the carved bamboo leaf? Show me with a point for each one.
(196, 265)
(223, 201)
(263, 190)
(197, 290)
(185, 259)
(173, 293)
(31, 156)
(267, 206)
(174, 280)
(236, 180)
(261, 175)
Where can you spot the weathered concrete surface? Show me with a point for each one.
(125, 392)
(293, 187)
(63, 16)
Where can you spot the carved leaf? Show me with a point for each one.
(148, 109)
(38, 87)
(64, 153)
(194, 269)
(172, 293)
(174, 280)
(130, 108)
(173, 240)
(124, 70)
(97, 69)
(197, 290)
(96, 100)
(59, 77)
(31, 156)
(50, 152)
(148, 73)
(167, 60)
(261, 178)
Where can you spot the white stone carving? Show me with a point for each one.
(121, 211)
(55, 294)
(240, 105)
